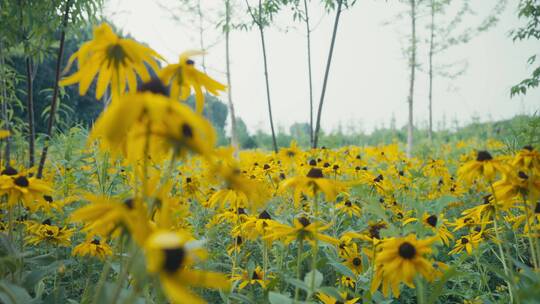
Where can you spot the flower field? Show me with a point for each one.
(145, 208)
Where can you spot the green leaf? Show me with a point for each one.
(277, 298)
(310, 276)
(344, 270)
(15, 293)
(297, 283)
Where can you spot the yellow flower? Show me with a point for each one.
(311, 184)
(484, 166)
(468, 242)
(354, 262)
(171, 256)
(437, 224)
(168, 125)
(46, 232)
(104, 215)
(117, 61)
(400, 260)
(302, 228)
(527, 159)
(255, 277)
(17, 186)
(183, 76)
(326, 299)
(4, 134)
(95, 248)
(349, 208)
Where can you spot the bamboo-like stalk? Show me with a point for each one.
(4, 109)
(54, 101)
(234, 137)
(412, 63)
(30, 113)
(259, 23)
(431, 46)
(326, 73)
(308, 38)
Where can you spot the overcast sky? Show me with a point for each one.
(368, 82)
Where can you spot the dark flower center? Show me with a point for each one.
(304, 221)
(95, 242)
(266, 167)
(190, 62)
(48, 198)
(375, 230)
(282, 175)
(464, 240)
(356, 261)
(483, 156)
(187, 131)
(188, 180)
(155, 86)
(239, 240)
(348, 204)
(255, 276)
(241, 211)
(432, 220)
(312, 162)
(116, 54)
(407, 250)
(379, 178)
(315, 173)
(9, 171)
(173, 259)
(335, 167)
(522, 175)
(326, 165)
(129, 203)
(22, 181)
(46, 222)
(537, 208)
(265, 215)
(529, 148)
(290, 153)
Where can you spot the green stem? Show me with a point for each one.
(299, 267)
(528, 225)
(499, 244)
(101, 282)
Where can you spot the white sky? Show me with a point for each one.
(368, 84)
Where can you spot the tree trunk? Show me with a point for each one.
(308, 36)
(30, 109)
(201, 34)
(263, 45)
(5, 117)
(328, 62)
(430, 94)
(412, 63)
(234, 137)
(54, 101)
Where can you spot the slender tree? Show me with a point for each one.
(54, 100)
(327, 71)
(308, 49)
(445, 34)
(4, 106)
(260, 22)
(412, 66)
(227, 30)
(430, 72)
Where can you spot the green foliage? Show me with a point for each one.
(529, 10)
